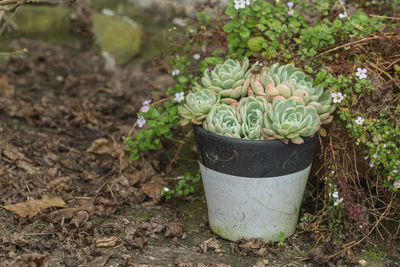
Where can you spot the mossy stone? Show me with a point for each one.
(43, 20)
(116, 36)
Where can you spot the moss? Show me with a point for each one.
(43, 20)
(117, 37)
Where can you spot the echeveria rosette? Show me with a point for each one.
(251, 116)
(198, 105)
(223, 120)
(230, 79)
(324, 106)
(282, 82)
(289, 82)
(290, 120)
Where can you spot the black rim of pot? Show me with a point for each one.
(252, 158)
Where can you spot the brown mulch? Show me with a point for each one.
(62, 122)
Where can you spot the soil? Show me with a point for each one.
(62, 122)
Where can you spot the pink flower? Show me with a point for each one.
(145, 108)
(397, 184)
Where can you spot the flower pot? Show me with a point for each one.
(253, 188)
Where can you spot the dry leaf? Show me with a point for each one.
(210, 243)
(259, 263)
(103, 146)
(34, 259)
(32, 207)
(174, 229)
(99, 261)
(27, 167)
(322, 132)
(153, 191)
(106, 242)
(219, 264)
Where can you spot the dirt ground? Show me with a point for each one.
(62, 122)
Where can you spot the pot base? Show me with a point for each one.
(241, 207)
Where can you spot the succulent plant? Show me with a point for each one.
(230, 79)
(251, 116)
(198, 105)
(289, 82)
(290, 120)
(223, 120)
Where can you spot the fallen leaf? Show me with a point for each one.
(32, 207)
(34, 259)
(103, 146)
(27, 167)
(322, 132)
(174, 229)
(13, 153)
(153, 191)
(106, 242)
(259, 263)
(99, 261)
(210, 243)
(219, 264)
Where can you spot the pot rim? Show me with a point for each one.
(242, 140)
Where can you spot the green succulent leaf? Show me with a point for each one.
(198, 105)
(290, 119)
(223, 120)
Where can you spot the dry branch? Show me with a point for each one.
(12, 5)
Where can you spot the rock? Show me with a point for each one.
(118, 37)
(43, 20)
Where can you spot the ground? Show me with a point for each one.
(62, 122)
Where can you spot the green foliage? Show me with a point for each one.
(160, 120)
(184, 187)
(281, 237)
(267, 29)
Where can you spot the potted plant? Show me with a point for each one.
(255, 130)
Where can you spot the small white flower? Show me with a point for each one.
(175, 72)
(395, 171)
(179, 22)
(342, 15)
(290, 4)
(360, 121)
(166, 189)
(397, 184)
(196, 56)
(337, 202)
(337, 97)
(384, 146)
(335, 194)
(179, 97)
(145, 109)
(290, 12)
(146, 102)
(108, 12)
(371, 164)
(141, 121)
(375, 156)
(239, 4)
(361, 73)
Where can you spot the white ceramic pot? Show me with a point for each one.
(253, 188)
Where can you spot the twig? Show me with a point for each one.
(353, 243)
(169, 168)
(358, 41)
(38, 234)
(383, 17)
(112, 193)
(358, 27)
